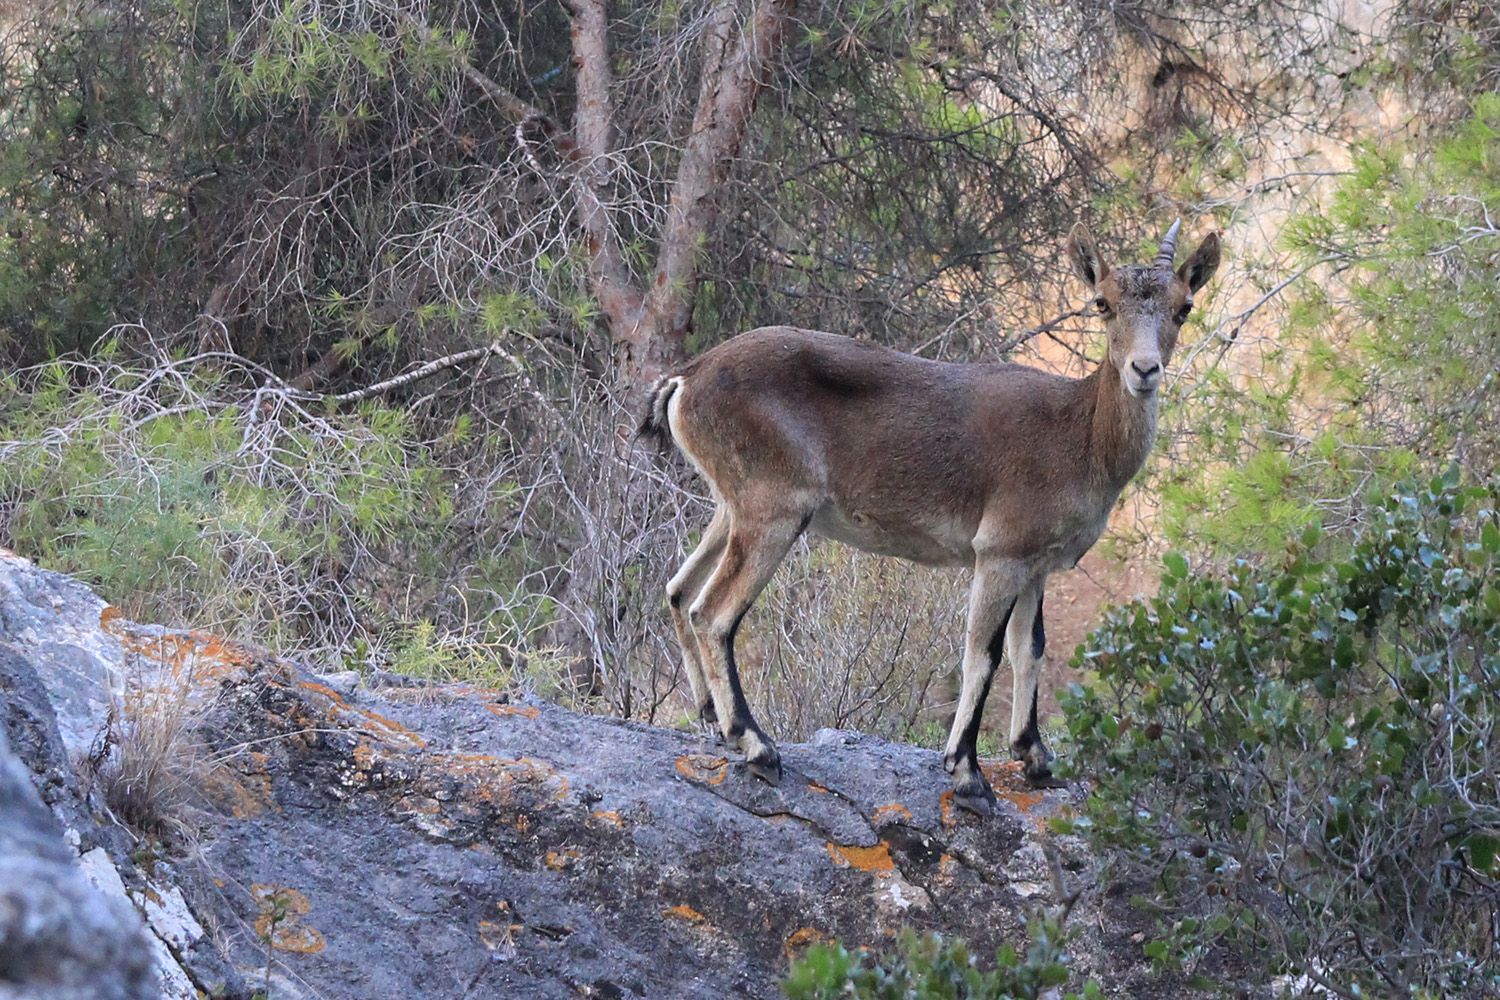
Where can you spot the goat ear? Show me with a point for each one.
(1202, 264)
(1083, 255)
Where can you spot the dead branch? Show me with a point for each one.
(429, 369)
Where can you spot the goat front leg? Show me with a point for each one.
(1025, 644)
(992, 597)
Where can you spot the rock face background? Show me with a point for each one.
(443, 842)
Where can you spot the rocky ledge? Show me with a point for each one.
(405, 840)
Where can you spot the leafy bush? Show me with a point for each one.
(1298, 761)
(929, 968)
(188, 495)
(1384, 367)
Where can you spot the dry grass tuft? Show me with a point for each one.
(150, 765)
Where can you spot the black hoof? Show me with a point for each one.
(768, 771)
(1037, 760)
(981, 804)
(707, 714)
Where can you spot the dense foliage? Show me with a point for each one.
(1297, 760)
(1385, 364)
(929, 968)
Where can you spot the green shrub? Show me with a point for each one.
(187, 497)
(1383, 367)
(1298, 761)
(929, 968)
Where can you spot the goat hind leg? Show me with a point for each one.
(682, 591)
(750, 558)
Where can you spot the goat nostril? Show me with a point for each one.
(1150, 370)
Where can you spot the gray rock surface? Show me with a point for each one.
(443, 842)
(60, 938)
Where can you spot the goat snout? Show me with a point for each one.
(1143, 376)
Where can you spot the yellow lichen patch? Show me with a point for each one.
(866, 859)
(327, 692)
(813, 786)
(1024, 801)
(702, 767)
(387, 731)
(892, 813)
(561, 861)
(608, 819)
(280, 921)
(242, 795)
(527, 711)
(686, 914)
(802, 939)
(364, 754)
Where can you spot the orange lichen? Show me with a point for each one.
(813, 786)
(702, 767)
(561, 861)
(495, 936)
(497, 780)
(611, 818)
(1024, 801)
(802, 939)
(280, 921)
(528, 711)
(387, 731)
(895, 812)
(194, 658)
(419, 805)
(945, 805)
(241, 785)
(866, 859)
(1008, 778)
(684, 913)
(1005, 773)
(364, 754)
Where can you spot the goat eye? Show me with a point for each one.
(1101, 304)
(1184, 312)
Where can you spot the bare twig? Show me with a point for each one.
(429, 369)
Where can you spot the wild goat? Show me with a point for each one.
(1004, 468)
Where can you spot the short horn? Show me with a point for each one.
(1168, 252)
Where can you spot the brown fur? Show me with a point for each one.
(1003, 468)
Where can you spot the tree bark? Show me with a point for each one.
(649, 325)
(737, 67)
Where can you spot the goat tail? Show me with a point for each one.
(654, 423)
